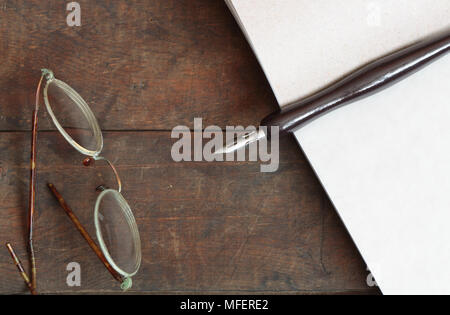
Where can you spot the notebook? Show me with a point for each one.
(383, 161)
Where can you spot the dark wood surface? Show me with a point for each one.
(146, 67)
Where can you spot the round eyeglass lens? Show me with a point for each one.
(73, 117)
(117, 232)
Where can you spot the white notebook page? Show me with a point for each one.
(384, 161)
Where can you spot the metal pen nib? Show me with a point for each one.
(242, 141)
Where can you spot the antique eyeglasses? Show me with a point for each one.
(115, 225)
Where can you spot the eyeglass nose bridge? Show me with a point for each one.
(89, 160)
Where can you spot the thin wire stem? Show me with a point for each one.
(91, 160)
(84, 233)
(21, 269)
(32, 192)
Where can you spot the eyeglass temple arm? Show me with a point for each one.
(19, 266)
(84, 233)
(32, 188)
(31, 284)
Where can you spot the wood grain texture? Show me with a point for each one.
(145, 67)
(204, 226)
(158, 63)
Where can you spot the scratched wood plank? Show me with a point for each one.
(205, 227)
(157, 63)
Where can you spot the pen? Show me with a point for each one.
(366, 81)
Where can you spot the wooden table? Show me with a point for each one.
(145, 67)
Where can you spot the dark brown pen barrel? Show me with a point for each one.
(364, 82)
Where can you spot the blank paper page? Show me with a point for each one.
(384, 161)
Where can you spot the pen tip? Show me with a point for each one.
(241, 142)
(219, 151)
